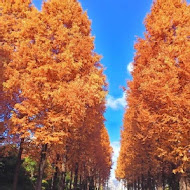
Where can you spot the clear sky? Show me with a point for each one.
(115, 25)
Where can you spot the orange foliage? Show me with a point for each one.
(156, 132)
(58, 82)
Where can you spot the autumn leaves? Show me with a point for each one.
(55, 88)
(155, 140)
(52, 91)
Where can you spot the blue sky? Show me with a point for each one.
(115, 25)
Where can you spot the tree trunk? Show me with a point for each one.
(99, 183)
(41, 167)
(174, 182)
(71, 180)
(62, 185)
(184, 183)
(91, 185)
(18, 164)
(138, 184)
(163, 181)
(80, 182)
(149, 182)
(160, 182)
(55, 178)
(84, 184)
(76, 177)
(142, 182)
(135, 185)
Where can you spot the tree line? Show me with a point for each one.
(155, 139)
(52, 92)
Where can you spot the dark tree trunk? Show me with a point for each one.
(142, 182)
(71, 180)
(138, 184)
(55, 179)
(64, 180)
(135, 185)
(149, 182)
(91, 186)
(55, 176)
(174, 182)
(159, 184)
(62, 185)
(41, 167)
(18, 164)
(84, 184)
(76, 177)
(128, 186)
(80, 182)
(163, 180)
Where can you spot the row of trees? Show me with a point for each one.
(155, 139)
(52, 91)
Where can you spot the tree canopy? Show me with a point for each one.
(156, 133)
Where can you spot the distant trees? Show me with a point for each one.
(53, 83)
(155, 140)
